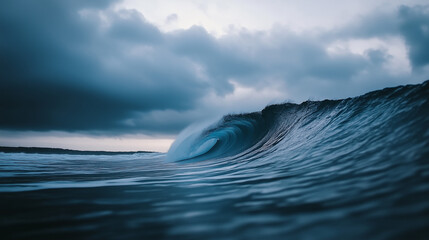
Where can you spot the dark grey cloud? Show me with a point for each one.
(62, 71)
(220, 60)
(79, 66)
(414, 26)
(129, 25)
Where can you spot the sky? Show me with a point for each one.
(130, 75)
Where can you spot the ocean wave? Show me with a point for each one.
(375, 115)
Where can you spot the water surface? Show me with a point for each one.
(356, 168)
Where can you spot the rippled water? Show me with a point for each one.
(348, 169)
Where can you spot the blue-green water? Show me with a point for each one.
(356, 168)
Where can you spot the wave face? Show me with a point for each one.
(355, 168)
(311, 131)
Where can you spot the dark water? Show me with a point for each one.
(349, 169)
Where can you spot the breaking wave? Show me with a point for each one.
(373, 120)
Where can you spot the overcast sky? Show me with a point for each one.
(130, 75)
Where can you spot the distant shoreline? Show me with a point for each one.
(44, 150)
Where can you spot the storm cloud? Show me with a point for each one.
(81, 66)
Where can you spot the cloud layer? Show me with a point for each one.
(79, 66)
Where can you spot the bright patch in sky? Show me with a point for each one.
(129, 142)
(219, 17)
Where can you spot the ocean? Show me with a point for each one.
(355, 168)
